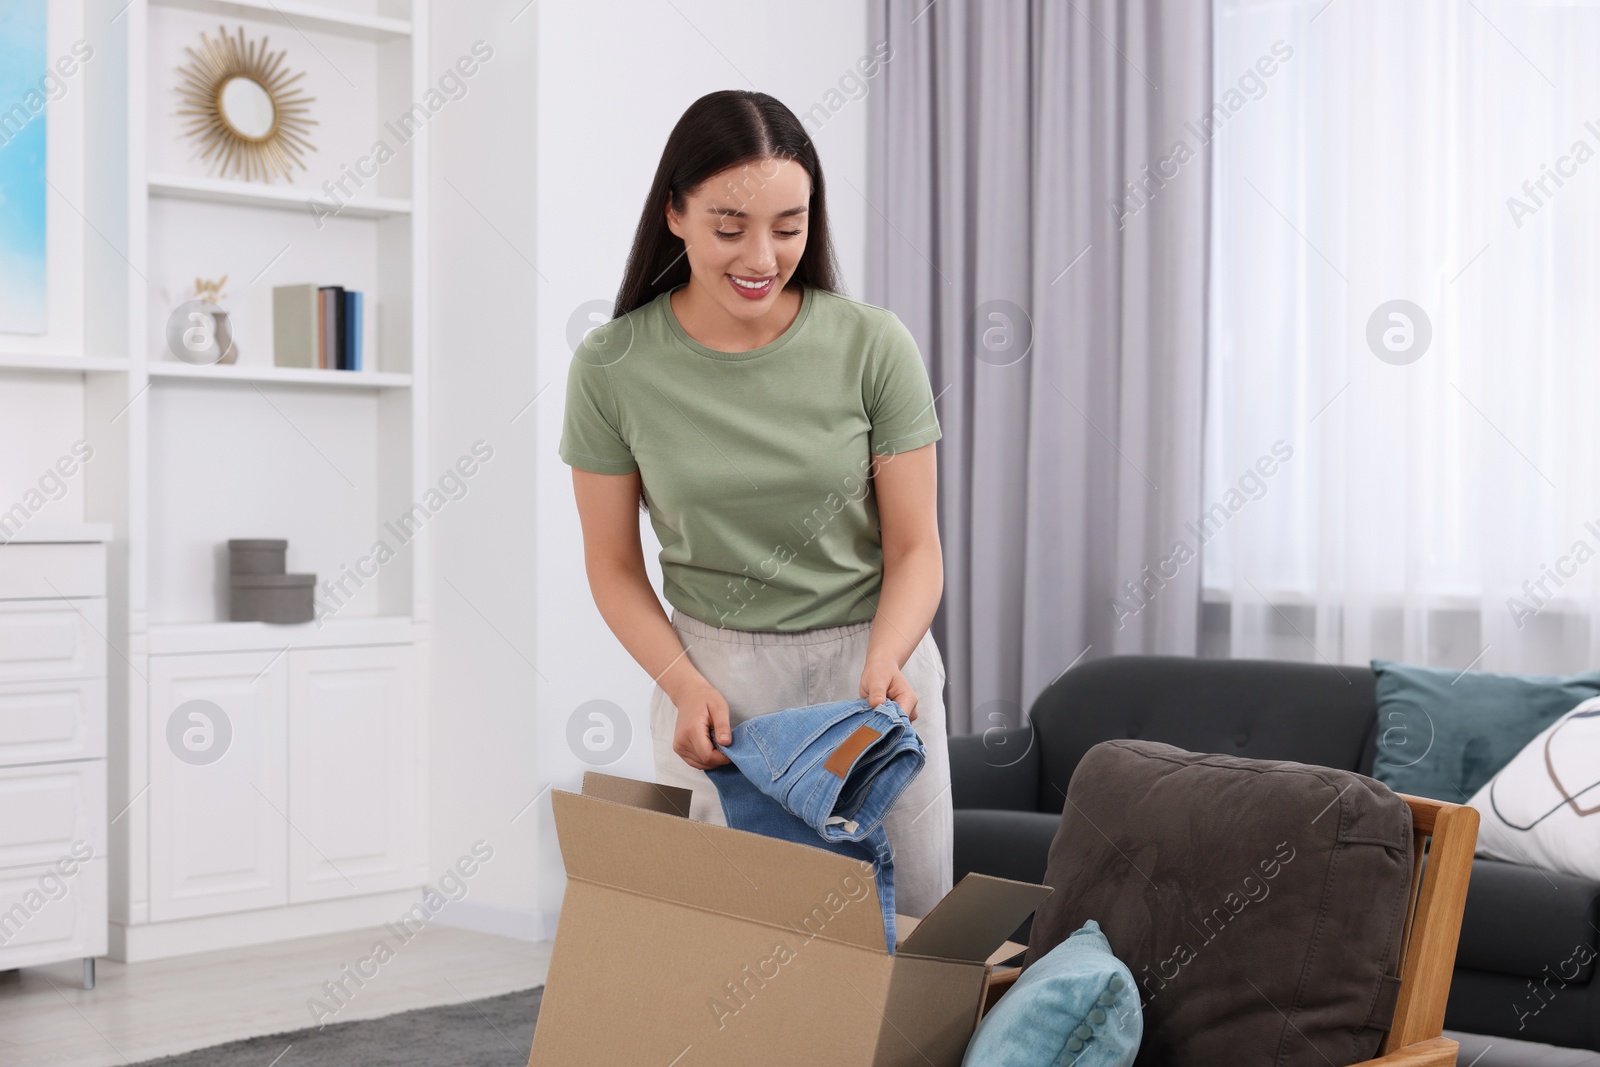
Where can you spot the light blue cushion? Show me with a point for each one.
(1076, 1006)
(1443, 734)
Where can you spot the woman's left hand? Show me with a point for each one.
(881, 680)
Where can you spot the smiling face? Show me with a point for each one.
(745, 230)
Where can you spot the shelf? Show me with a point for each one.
(69, 364)
(296, 15)
(60, 533)
(172, 638)
(278, 197)
(233, 374)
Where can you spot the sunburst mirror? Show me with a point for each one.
(243, 108)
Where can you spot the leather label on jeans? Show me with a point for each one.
(844, 756)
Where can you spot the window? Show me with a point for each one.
(1405, 276)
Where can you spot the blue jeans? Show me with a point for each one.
(824, 775)
(764, 672)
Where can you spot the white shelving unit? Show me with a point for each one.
(313, 819)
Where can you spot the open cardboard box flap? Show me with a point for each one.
(904, 924)
(974, 919)
(668, 799)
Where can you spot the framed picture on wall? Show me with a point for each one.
(24, 37)
(43, 56)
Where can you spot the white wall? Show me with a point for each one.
(539, 177)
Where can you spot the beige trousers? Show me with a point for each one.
(759, 672)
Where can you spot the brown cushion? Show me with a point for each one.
(1258, 903)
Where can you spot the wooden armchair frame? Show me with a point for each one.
(1428, 947)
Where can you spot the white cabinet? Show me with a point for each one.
(218, 825)
(282, 778)
(53, 746)
(354, 785)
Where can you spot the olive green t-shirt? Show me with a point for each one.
(756, 465)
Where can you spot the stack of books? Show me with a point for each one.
(317, 326)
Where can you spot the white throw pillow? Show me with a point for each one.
(1543, 808)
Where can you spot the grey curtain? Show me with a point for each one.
(1039, 185)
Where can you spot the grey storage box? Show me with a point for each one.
(282, 598)
(257, 555)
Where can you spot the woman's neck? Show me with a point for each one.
(709, 323)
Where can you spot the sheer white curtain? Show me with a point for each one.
(1441, 508)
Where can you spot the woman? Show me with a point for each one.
(780, 435)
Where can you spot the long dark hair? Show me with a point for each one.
(721, 130)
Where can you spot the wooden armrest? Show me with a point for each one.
(1000, 980)
(1437, 1052)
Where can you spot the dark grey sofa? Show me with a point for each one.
(1516, 974)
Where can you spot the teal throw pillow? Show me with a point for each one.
(1075, 1007)
(1444, 733)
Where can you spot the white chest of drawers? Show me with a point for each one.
(53, 652)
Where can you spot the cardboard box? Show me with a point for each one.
(691, 945)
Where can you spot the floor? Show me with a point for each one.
(169, 1006)
(165, 1006)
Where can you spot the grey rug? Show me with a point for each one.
(497, 1032)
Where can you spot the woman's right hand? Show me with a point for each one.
(701, 711)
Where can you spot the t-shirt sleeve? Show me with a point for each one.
(899, 398)
(591, 433)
